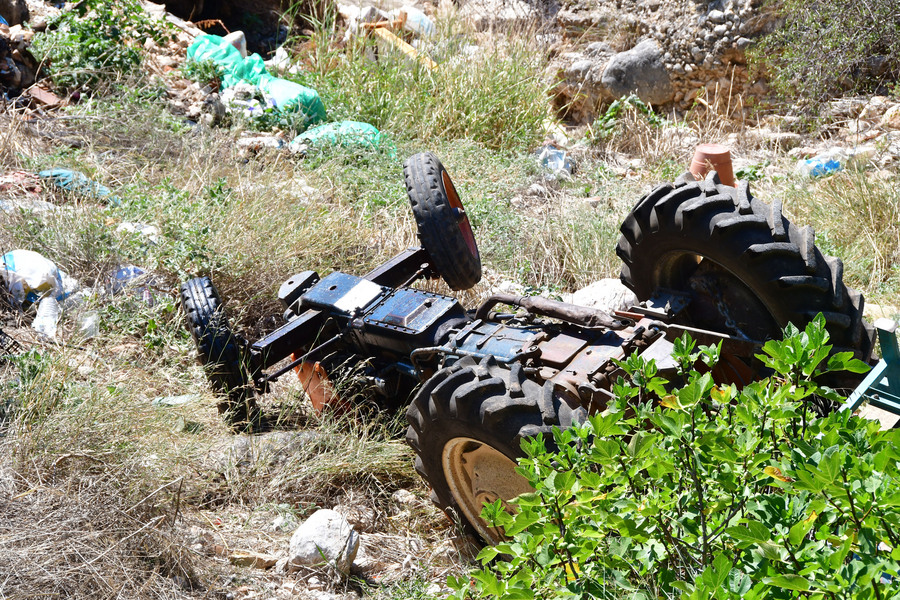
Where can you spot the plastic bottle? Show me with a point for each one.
(823, 164)
(417, 22)
(47, 317)
(89, 324)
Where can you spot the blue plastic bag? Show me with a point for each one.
(76, 182)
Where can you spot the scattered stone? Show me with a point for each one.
(783, 140)
(260, 142)
(404, 497)
(325, 537)
(255, 560)
(599, 50)
(874, 108)
(891, 118)
(716, 16)
(639, 70)
(244, 451)
(606, 294)
(43, 97)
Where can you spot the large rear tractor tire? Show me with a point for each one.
(219, 350)
(749, 271)
(466, 426)
(444, 228)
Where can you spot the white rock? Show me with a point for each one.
(607, 295)
(716, 16)
(404, 497)
(891, 118)
(325, 537)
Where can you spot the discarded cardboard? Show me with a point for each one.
(43, 97)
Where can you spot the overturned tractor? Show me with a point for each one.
(703, 258)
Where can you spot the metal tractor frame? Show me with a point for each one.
(703, 258)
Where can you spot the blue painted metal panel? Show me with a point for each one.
(410, 311)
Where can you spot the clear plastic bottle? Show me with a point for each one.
(47, 317)
(416, 21)
(89, 324)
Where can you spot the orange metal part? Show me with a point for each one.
(318, 387)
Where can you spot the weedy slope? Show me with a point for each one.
(118, 479)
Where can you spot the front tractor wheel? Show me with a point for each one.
(466, 426)
(444, 228)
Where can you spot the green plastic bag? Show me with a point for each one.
(287, 95)
(224, 55)
(283, 94)
(343, 133)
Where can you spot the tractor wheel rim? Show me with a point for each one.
(465, 228)
(477, 473)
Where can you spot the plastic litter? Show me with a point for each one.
(131, 277)
(344, 133)
(287, 95)
(823, 164)
(150, 232)
(284, 94)
(280, 62)
(76, 182)
(238, 40)
(417, 22)
(47, 317)
(30, 276)
(89, 324)
(554, 159)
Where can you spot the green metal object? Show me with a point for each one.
(881, 388)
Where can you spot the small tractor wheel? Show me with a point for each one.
(466, 425)
(444, 228)
(749, 271)
(220, 351)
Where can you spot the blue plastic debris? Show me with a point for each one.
(74, 181)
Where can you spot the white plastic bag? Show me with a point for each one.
(29, 276)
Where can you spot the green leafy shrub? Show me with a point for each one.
(825, 48)
(203, 72)
(707, 493)
(605, 126)
(97, 41)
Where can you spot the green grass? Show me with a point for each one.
(855, 216)
(495, 96)
(81, 434)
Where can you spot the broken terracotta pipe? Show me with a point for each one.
(713, 157)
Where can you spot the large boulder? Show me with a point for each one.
(324, 538)
(640, 70)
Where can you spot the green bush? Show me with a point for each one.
(97, 41)
(825, 48)
(709, 492)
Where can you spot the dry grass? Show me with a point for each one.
(855, 215)
(103, 494)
